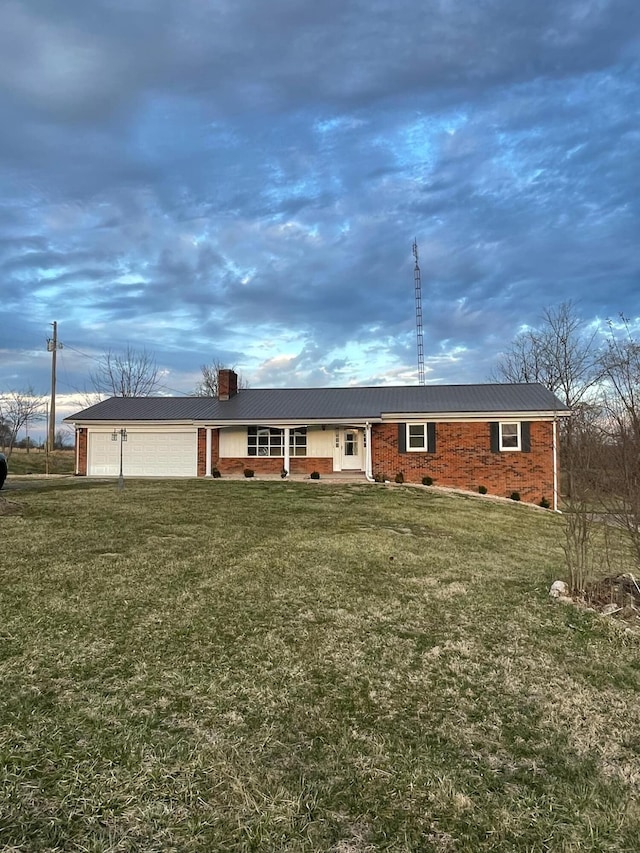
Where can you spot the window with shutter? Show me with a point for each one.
(510, 435)
(420, 438)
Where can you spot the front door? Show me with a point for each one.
(351, 450)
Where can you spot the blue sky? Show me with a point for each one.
(242, 181)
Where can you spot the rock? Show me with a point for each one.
(559, 589)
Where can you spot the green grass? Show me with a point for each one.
(254, 666)
(36, 462)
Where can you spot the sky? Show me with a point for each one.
(241, 181)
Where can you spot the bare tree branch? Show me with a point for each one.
(208, 385)
(17, 409)
(132, 373)
(621, 431)
(561, 354)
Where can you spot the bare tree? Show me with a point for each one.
(5, 430)
(561, 354)
(621, 429)
(64, 439)
(208, 385)
(604, 457)
(132, 373)
(584, 459)
(17, 409)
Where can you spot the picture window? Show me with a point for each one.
(265, 441)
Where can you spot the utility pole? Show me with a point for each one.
(53, 346)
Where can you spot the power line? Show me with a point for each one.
(97, 358)
(83, 354)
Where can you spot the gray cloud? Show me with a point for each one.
(243, 181)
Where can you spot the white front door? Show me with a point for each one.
(351, 447)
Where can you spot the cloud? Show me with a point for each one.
(243, 181)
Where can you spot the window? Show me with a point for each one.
(298, 442)
(416, 436)
(269, 441)
(264, 441)
(510, 436)
(421, 437)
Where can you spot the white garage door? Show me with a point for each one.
(144, 454)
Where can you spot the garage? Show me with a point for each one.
(157, 453)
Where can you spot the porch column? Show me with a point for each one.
(368, 465)
(287, 455)
(207, 470)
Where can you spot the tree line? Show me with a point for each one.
(596, 373)
(130, 373)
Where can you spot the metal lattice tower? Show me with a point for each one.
(418, 284)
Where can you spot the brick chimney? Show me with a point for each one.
(227, 384)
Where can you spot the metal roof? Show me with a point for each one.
(256, 405)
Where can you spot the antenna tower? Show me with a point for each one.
(418, 284)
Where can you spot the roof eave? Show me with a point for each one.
(283, 421)
(538, 414)
(111, 422)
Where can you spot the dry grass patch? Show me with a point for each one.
(37, 461)
(268, 666)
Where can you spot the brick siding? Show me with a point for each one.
(259, 464)
(202, 453)
(227, 384)
(81, 439)
(307, 464)
(274, 464)
(464, 460)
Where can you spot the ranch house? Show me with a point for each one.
(501, 436)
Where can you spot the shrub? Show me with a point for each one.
(315, 475)
(399, 477)
(283, 473)
(427, 481)
(379, 478)
(482, 490)
(248, 472)
(215, 473)
(544, 503)
(515, 496)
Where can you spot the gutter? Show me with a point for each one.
(367, 457)
(555, 467)
(408, 417)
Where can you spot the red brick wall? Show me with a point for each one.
(463, 459)
(259, 464)
(215, 448)
(202, 452)
(227, 384)
(81, 441)
(275, 464)
(307, 464)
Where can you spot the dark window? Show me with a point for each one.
(298, 442)
(264, 441)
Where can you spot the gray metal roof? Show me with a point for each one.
(256, 405)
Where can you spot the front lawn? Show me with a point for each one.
(253, 666)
